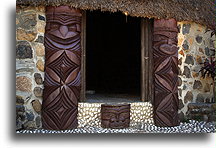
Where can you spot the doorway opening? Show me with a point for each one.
(113, 57)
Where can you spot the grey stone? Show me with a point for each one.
(181, 104)
(186, 28)
(40, 39)
(38, 78)
(180, 61)
(179, 81)
(199, 39)
(188, 97)
(18, 125)
(187, 72)
(38, 92)
(200, 105)
(212, 52)
(180, 92)
(21, 116)
(40, 17)
(197, 85)
(184, 87)
(29, 125)
(179, 71)
(211, 43)
(23, 50)
(38, 121)
(205, 118)
(185, 45)
(200, 98)
(20, 108)
(189, 60)
(197, 117)
(27, 21)
(181, 116)
(19, 100)
(25, 70)
(209, 52)
(30, 116)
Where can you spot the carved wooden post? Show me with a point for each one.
(115, 115)
(165, 57)
(62, 68)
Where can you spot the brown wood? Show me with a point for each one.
(115, 115)
(62, 68)
(83, 58)
(146, 60)
(165, 72)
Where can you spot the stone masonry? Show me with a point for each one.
(195, 44)
(30, 51)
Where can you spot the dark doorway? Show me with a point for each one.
(113, 57)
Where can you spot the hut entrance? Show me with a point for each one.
(113, 57)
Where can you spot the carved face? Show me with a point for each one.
(63, 46)
(115, 116)
(63, 27)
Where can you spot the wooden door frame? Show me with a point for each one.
(83, 57)
(147, 87)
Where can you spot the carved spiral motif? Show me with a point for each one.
(165, 54)
(62, 68)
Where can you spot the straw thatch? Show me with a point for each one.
(199, 11)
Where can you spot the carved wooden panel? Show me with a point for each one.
(62, 68)
(115, 115)
(165, 58)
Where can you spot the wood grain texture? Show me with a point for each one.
(83, 58)
(115, 116)
(146, 60)
(62, 68)
(165, 58)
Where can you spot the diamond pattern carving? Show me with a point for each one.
(62, 68)
(165, 58)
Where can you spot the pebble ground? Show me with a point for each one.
(191, 127)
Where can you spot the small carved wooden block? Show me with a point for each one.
(115, 115)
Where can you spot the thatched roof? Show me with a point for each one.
(199, 11)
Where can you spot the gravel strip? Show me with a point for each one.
(191, 127)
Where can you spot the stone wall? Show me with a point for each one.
(30, 28)
(195, 44)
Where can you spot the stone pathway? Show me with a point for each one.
(191, 127)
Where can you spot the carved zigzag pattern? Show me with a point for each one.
(165, 75)
(62, 74)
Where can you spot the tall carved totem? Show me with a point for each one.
(165, 58)
(62, 68)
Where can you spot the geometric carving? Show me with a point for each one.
(165, 59)
(115, 115)
(62, 68)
